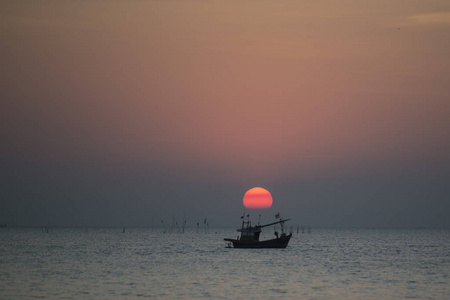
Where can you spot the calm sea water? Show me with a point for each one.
(147, 263)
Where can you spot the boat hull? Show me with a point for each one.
(280, 242)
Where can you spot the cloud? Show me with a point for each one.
(431, 18)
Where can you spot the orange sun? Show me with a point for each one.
(257, 198)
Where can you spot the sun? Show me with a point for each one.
(257, 197)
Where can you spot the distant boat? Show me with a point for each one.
(250, 236)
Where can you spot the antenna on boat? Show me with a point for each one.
(242, 217)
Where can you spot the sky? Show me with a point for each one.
(126, 113)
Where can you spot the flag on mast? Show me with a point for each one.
(277, 216)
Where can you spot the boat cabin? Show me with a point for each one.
(250, 233)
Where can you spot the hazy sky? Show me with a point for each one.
(123, 112)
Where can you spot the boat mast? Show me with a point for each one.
(248, 223)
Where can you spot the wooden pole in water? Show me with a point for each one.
(184, 224)
(164, 226)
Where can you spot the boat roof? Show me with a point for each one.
(258, 227)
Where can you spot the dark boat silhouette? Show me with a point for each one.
(250, 236)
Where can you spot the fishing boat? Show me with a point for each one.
(250, 236)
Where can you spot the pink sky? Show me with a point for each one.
(256, 91)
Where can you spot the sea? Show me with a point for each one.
(139, 263)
